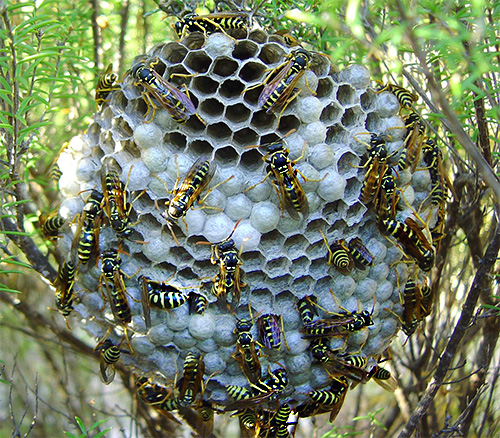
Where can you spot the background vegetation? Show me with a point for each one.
(447, 51)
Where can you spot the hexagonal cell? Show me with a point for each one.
(118, 101)
(198, 62)
(175, 139)
(277, 267)
(302, 285)
(93, 132)
(224, 67)
(194, 126)
(352, 190)
(337, 134)
(325, 87)
(173, 52)
(300, 266)
(272, 243)
(259, 36)
(122, 128)
(331, 113)
(355, 213)
(352, 116)
(245, 137)
(219, 131)
(269, 138)
(263, 120)
(347, 164)
(107, 143)
(204, 85)
(238, 113)
(201, 147)
(252, 71)
(346, 95)
(321, 64)
(130, 147)
(211, 107)
(138, 109)
(187, 273)
(287, 123)
(330, 209)
(373, 122)
(227, 155)
(194, 41)
(296, 245)
(167, 270)
(315, 226)
(318, 267)
(231, 88)
(367, 100)
(271, 54)
(245, 49)
(251, 160)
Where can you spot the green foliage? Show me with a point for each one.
(86, 432)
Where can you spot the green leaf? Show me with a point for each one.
(81, 425)
(100, 434)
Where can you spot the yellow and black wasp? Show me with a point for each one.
(291, 195)
(385, 204)
(159, 397)
(105, 85)
(113, 279)
(337, 324)
(50, 225)
(383, 378)
(412, 142)
(339, 256)
(410, 236)
(88, 236)
(269, 327)
(64, 284)
(207, 24)
(406, 98)
(110, 354)
(160, 295)
(307, 308)
(178, 105)
(197, 303)
(246, 351)
(275, 423)
(280, 85)
(191, 383)
(363, 258)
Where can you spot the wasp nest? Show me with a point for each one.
(283, 259)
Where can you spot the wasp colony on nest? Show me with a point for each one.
(249, 223)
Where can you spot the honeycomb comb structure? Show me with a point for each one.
(283, 259)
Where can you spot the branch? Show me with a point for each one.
(481, 284)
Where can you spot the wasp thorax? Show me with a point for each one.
(290, 253)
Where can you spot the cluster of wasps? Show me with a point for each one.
(257, 404)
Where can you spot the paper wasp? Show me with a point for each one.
(269, 330)
(307, 308)
(360, 253)
(157, 396)
(160, 295)
(415, 130)
(412, 239)
(105, 85)
(246, 351)
(291, 195)
(114, 283)
(64, 289)
(383, 378)
(264, 390)
(50, 225)
(192, 379)
(88, 237)
(197, 303)
(406, 98)
(339, 256)
(280, 85)
(209, 23)
(110, 354)
(276, 423)
(385, 205)
(178, 105)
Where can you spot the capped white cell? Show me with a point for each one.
(332, 187)
(142, 346)
(245, 236)
(296, 343)
(156, 249)
(184, 340)
(379, 272)
(213, 363)
(387, 104)
(365, 289)
(148, 135)
(395, 127)
(178, 167)
(194, 221)
(265, 216)
(311, 80)
(309, 109)
(160, 334)
(238, 207)
(321, 156)
(313, 133)
(176, 319)
(311, 175)
(384, 291)
(217, 227)
(356, 75)
(259, 191)
(155, 159)
(214, 203)
(409, 193)
(202, 326)
(86, 169)
(224, 326)
(70, 207)
(68, 186)
(218, 44)
(421, 181)
(233, 185)
(136, 175)
(299, 363)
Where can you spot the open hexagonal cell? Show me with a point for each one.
(325, 87)
(224, 67)
(252, 71)
(194, 125)
(204, 85)
(271, 54)
(245, 49)
(321, 65)
(227, 155)
(372, 122)
(315, 227)
(295, 245)
(346, 95)
(176, 140)
(251, 160)
(272, 243)
(331, 113)
(122, 128)
(269, 138)
(259, 36)
(130, 147)
(352, 191)
(299, 266)
(287, 123)
(354, 213)
(277, 267)
(118, 101)
(302, 285)
(194, 41)
(167, 270)
(231, 89)
(245, 137)
(219, 131)
(337, 134)
(352, 116)
(367, 100)
(263, 120)
(201, 147)
(93, 133)
(138, 108)
(238, 113)
(106, 141)
(198, 62)
(173, 52)
(211, 107)
(187, 274)
(252, 261)
(318, 267)
(252, 95)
